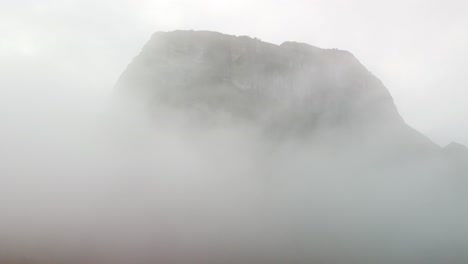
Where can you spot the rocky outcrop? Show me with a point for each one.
(290, 90)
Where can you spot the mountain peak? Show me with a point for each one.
(254, 77)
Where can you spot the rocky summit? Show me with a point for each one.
(293, 89)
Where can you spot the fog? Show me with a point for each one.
(116, 186)
(88, 176)
(417, 48)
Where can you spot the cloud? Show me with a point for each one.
(417, 48)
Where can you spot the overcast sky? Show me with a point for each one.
(58, 52)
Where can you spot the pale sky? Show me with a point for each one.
(54, 51)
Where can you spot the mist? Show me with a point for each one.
(120, 183)
(91, 173)
(417, 48)
(117, 187)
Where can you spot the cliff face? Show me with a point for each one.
(330, 158)
(247, 77)
(287, 90)
(290, 89)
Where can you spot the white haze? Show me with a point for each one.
(116, 185)
(80, 175)
(417, 47)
